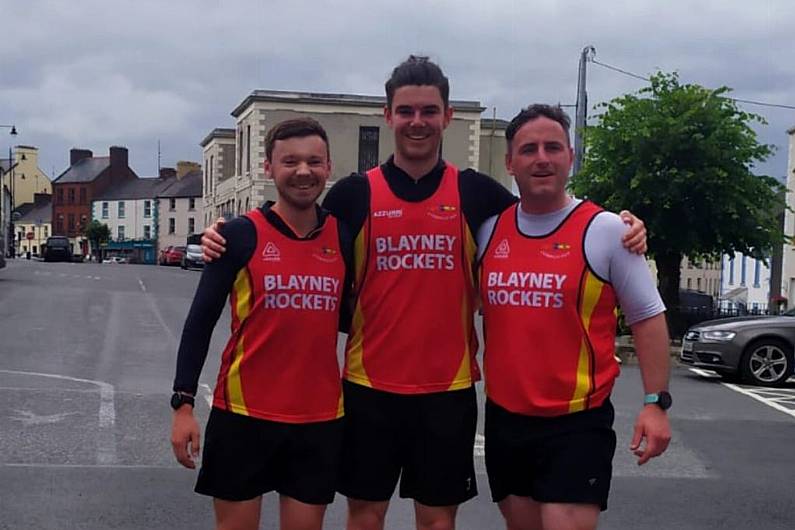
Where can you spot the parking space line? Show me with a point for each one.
(771, 397)
(759, 398)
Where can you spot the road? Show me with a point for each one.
(87, 355)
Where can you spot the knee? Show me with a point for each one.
(436, 521)
(366, 515)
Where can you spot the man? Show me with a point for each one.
(410, 368)
(276, 420)
(551, 274)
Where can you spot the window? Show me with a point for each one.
(71, 195)
(83, 199)
(240, 152)
(698, 284)
(122, 207)
(46, 229)
(191, 204)
(248, 149)
(59, 224)
(147, 232)
(731, 270)
(743, 270)
(191, 225)
(120, 233)
(172, 225)
(59, 196)
(368, 148)
(104, 210)
(689, 283)
(757, 272)
(212, 159)
(172, 204)
(147, 209)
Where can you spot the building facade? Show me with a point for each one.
(746, 283)
(28, 178)
(358, 136)
(35, 226)
(788, 253)
(180, 209)
(75, 189)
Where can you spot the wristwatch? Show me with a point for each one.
(661, 399)
(181, 398)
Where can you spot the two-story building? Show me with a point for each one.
(75, 189)
(180, 208)
(34, 227)
(359, 139)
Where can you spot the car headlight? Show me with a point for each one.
(718, 335)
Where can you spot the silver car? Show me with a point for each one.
(756, 350)
(192, 257)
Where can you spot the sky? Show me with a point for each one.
(92, 74)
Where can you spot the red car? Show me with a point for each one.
(171, 255)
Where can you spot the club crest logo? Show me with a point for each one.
(556, 250)
(271, 252)
(443, 212)
(388, 214)
(503, 250)
(326, 255)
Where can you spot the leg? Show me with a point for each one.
(521, 513)
(237, 515)
(366, 515)
(565, 516)
(435, 517)
(297, 515)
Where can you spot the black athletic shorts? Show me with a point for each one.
(426, 440)
(566, 459)
(245, 457)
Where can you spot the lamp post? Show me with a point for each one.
(9, 236)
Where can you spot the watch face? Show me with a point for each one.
(664, 400)
(176, 400)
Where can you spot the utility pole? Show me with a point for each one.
(582, 108)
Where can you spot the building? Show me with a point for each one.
(358, 136)
(74, 190)
(493, 148)
(703, 276)
(28, 178)
(130, 213)
(35, 226)
(788, 253)
(180, 208)
(746, 283)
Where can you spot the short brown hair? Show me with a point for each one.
(295, 128)
(537, 110)
(417, 70)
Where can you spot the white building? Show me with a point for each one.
(180, 211)
(745, 282)
(788, 258)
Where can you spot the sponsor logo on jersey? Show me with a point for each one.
(556, 250)
(443, 212)
(388, 214)
(503, 250)
(271, 252)
(326, 255)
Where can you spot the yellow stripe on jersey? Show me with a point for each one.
(341, 407)
(243, 293)
(354, 357)
(590, 294)
(463, 377)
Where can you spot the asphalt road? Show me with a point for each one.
(87, 355)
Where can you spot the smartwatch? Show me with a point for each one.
(661, 399)
(181, 398)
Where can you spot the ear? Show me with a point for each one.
(388, 115)
(508, 161)
(448, 115)
(268, 169)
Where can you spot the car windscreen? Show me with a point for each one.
(62, 243)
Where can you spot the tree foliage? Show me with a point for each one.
(97, 233)
(680, 157)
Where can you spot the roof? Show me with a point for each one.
(4, 165)
(85, 170)
(218, 132)
(499, 124)
(38, 215)
(343, 100)
(140, 188)
(23, 209)
(188, 186)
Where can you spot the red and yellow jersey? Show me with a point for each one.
(280, 363)
(550, 322)
(412, 329)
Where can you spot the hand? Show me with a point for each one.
(651, 425)
(185, 437)
(213, 245)
(634, 239)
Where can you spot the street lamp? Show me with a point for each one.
(10, 235)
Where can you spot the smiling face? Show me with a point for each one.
(299, 167)
(418, 117)
(540, 158)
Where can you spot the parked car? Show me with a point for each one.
(192, 257)
(115, 259)
(756, 350)
(58, 248)
(171, 255)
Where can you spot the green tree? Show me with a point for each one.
(680, 157)
(97, 233)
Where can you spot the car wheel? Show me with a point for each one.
(767, 362)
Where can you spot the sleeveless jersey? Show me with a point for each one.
(280, 363)
(412, 329)
(550, 321)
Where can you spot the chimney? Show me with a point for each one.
(76, 155)
(41, 199)
(118, 157)
(167, 172)
(184, 167)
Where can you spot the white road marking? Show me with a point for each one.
(106, 440)
(28, 417)
(96, 277)
(208, 394)
(758, 394)
(141, 283)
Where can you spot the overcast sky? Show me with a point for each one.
(92, 73)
